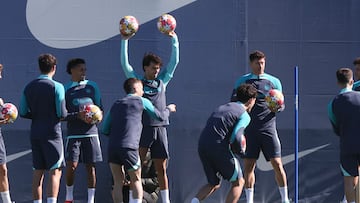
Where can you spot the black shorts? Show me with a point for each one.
(129, 158)
(219, 162)
(349, 163)
(47, 154)
(155, 138)
(266, 141)
(84, 149)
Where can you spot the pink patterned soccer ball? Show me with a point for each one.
(9, 112)
(128, 25)
(93, 114)
(166, 23)
(275, 99)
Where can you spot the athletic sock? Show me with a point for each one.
(136, 201)
(249, 195)
(91, 195)
(69, 193)
(195, 200)
(284, 194)
(5, 196)
(131, 198)
(51, 200)
(37, 201)
(165, 196)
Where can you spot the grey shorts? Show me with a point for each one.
(84, 150)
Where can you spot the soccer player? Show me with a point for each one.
(43, 101)
(123, 125)
(220, 139)
(154, 135)
(356, 85)
(343, 111)
(82, 141)
(4, 181)
(261, 134)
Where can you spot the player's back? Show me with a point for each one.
(41, 101)
(346, 108)
(126, 126)
(220, 125)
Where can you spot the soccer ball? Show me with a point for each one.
(93, 114)
(239, 146)
(9, 112)
(275, 99)
(166, 23)
(128, 25)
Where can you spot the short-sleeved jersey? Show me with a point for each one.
(154, 90)
(77, 95)
(43, 101)
(224, 126)
(344, 111)
(261, 117)
(123, 122)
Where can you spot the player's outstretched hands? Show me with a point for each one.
(171, 107)
(171, 34)
(274, 109)
(127, 37)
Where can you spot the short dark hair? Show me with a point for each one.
(129, 85)
(356, 61)
(151, 58)
(344, 75)
(256, 55)
(46, 63)
(73, 63)
(245, 92)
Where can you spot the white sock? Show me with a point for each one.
(131, 198)
(5, 196)
(195, 200)
(284, 193)
(136, 201)
(69, 193)
(91, 195)
(37, 201)
(165, 196)
(51, 200)
(249, 195)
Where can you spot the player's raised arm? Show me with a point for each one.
(124, 56)
(167, 75)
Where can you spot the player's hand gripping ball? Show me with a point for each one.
(128, 25)
(274, 100)
(239, 146)
(93, 114)
(166, 23)
(9, 112)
